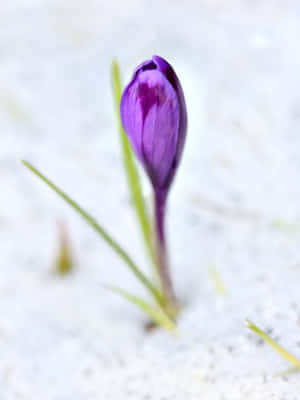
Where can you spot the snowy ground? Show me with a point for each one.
(235, 205)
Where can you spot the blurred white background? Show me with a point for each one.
(234, 206)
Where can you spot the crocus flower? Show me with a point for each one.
(154, 116)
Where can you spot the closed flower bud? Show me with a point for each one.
(154, 117)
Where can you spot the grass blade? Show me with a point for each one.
(101, 231)
(280, 350)
(217, 281)
(155, 313)
(289, 371)
(130, 167)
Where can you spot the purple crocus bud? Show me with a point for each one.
(153, 114)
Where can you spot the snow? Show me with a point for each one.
(234, 207)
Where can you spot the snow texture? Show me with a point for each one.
(234, 207)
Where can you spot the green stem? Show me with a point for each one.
(170, 304)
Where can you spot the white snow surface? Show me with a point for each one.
(234, 207)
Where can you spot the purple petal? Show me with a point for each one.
(170, 74)
(161, 114)
(131, 116)
(153, 114)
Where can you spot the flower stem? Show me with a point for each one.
(160, 198)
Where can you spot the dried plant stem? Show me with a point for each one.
(170, 305)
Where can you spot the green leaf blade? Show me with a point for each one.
(131, 168)
(279, 349)
(101, 231)
(217, 282)
(156, 314)
(291, 370)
